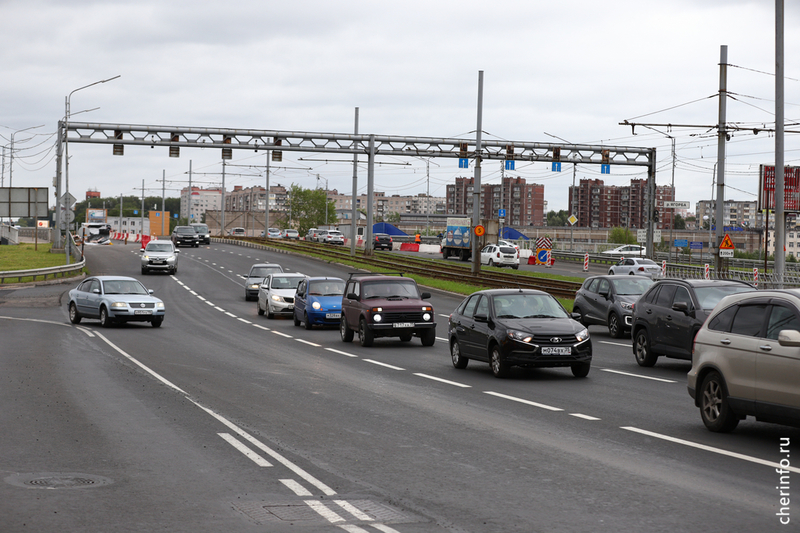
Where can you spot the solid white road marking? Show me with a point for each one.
(243, 320)
(384, 528)
(637, 375)
(230, 314)
(383, 364)
(261, 327)
(296, 487)
(441, 339)
(434, 378)
(282, 334)
(720, 451)
(353, 510)
(520, 400)
(87, 331)
(615, 343)
(250, 454)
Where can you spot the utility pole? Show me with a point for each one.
(721, 138)
(780, 218)
(353, 208)
(476, 193)
(163, 200)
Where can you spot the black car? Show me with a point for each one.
(608, 301)
(518, 327)
(668, 316)
(381, 241)
(186, 236)
(381, 305)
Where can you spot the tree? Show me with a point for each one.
(308, 208)
(621, 236)
(555, 219)
(679, 223)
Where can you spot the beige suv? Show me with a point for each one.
(746, 360)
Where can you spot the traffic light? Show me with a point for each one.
(655, 216)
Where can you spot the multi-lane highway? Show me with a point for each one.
(223, 420)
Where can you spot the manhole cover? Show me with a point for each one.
(57, 480)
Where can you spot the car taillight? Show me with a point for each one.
(641, 269)
(498, 254)
(390, 239)
(517, 254)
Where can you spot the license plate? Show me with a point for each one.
(403, 325)
(333, 315)
(556, 350)
(142, 312)
(157, 262)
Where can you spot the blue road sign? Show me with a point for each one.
(135, 211)
(696, 245)
(175, 215)
(542, 256)
(510, 165)
(556, 167)
(605, 169)
(681, 243)
(501, 213)
(463, 162)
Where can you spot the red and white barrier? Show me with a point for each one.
(707, 272)
(586, 262)
(755, 277)
(663, 269)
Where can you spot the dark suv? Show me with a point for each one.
(185, 236)
(668, 316)
(380, 305)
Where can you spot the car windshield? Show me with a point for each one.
(263, 272)
(527, 306)
(507, 250)
(326, 288)
(634, 285)
(709, 297)
(158, 247)
(200, 229)
(123, 286)
(335, 233)
(185, 231)
(285, 282)
(391, 289)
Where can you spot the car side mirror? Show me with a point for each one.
(683, 307)
(789, 337)
(141, 250)
(604, 293)
(352, 296)
(177, 251)
(425, 295)
(481, 317)
(150, 291)
(575, 316)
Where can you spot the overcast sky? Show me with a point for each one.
(574, 69)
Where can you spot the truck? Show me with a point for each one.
(457, 239)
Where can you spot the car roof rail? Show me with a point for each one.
(357, 274)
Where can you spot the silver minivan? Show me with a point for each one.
(746, 360)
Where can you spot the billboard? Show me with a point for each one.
(766, 188)
(23, 202)
(95, 215)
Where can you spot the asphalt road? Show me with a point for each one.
(223, 420)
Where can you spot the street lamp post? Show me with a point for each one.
(11, 153)
(66, 162)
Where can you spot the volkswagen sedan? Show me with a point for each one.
(114, 299)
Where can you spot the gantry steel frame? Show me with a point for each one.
(371, 145)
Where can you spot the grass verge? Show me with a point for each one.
(28, 257)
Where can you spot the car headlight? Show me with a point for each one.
(145, 256)
(118, 305)
(582, 335)
(520, 336)
(160, 305)
(276, 297)
(426, 317)
(626, 305)
(377, 318)
(253, 286)
(316, 306)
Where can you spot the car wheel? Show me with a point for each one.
(714, 407)
(580, 370)
(258, 306)
(428, 337)
(74, 316)
(610, 271)
(296, 320)
(491, 263)
(515, 267)
(270, 314)
(174, 270)
(499, 366)
(105, 320)
(365, 336)
(144, 271)
(459, 361)
(631, 273)
(405, 337)
(641, 349)
(307, 321)
(156, 322)
(345, 332)
(614, 326)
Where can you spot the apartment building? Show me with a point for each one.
(523, 202)
(597, 205)
(196, 201)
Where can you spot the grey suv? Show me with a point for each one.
(609, 300)
(746, 361)
(159, 255)
(668, 316)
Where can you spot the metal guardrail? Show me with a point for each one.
(44, 273)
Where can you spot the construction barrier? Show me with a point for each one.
(409, 247)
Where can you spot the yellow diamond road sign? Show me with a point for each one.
(572, 219)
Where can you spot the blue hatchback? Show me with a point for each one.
(318, 301)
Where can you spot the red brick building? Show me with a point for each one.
(597, 205)
(523, 202)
